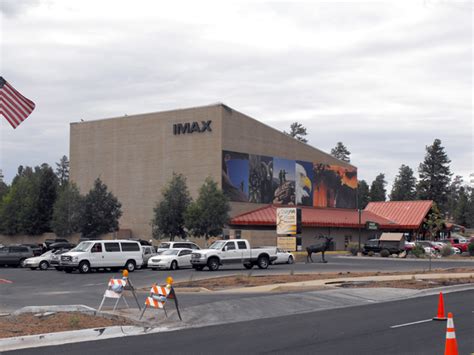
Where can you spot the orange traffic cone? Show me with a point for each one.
(440, 315)
(451, 347)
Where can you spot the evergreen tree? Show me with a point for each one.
(461, 212)
(168, 220)
(435, 175)
(102, 211)
(377, 189)
(454, 195)
(62, 170)
(470, 210)
(209, 213)
(363, 194)
(3, 190)
(340, 152)
(297, 131)
(404, 186)
(47, 193)
(68, 210)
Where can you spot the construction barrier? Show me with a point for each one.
(451, 346)
(441, 314)
(158, 297)
(115, 290)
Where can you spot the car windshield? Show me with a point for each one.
(164, 246)
(217, 245)
(170, 252)
(83, 246)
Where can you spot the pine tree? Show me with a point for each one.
(363, 194)
(461, 212)
(404, 186)
(102, 211)
(208, 215)
(435, 176)
(68, 211)
(62, 170)
(377, 189)
(297, 131)
(168, 220)
(340, 152)
(453, 194)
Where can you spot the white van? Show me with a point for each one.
(95, 254)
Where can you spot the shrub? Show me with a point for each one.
(470, 248)
(370, 253)
(447, 250)
(384, 253)
(353, 248)
(418, 251)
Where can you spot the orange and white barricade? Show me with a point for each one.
(158, 297)
(115, 289)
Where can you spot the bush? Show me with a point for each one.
(370, 253)
(447, 250)
(353, 248)
(418, 251)
(470, 248)
(384, 253)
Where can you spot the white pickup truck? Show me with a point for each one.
(237, 251)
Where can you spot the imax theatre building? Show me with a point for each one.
(258, 167)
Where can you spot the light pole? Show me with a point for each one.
(360, 217)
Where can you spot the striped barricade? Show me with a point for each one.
(158, 297)
(115, 289)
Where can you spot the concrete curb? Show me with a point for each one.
(75, 336)
(427, 260)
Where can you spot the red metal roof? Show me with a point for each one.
(407, 214)
(313, 217)
(389, 215)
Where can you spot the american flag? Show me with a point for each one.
(13, 105)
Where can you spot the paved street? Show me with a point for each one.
(52, 287)
(355, 330)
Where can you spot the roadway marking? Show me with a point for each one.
(3, 281)
(412, 323)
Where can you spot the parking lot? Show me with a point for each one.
(24, 287)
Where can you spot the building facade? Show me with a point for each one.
(256, 165)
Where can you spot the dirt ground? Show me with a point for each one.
(29, 324)
(220, 283)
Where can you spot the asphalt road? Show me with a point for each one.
(51, 287)
(356, 330)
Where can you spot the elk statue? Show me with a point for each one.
(322, 247)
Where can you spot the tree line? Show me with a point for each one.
(42, 200)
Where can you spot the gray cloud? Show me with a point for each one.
(384, 79)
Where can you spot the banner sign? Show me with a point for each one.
(286, 243)
(287, 220)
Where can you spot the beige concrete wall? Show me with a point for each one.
(137, 155)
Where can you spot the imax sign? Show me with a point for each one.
(191, 127)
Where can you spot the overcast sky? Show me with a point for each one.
(385, 78)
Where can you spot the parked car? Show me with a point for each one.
(43, 261)
(232, 252)
(61, 245)
(148, 252)
(15, 255)
(283, 257)
(171, 259)
(56, 258)
(376, 246)
(177, 245)
(37, 249)
(99, 254)
(48, 242)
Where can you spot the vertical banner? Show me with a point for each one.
(287, 221)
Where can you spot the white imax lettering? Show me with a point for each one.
(184, 128)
